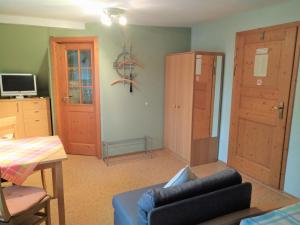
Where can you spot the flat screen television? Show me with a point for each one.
(17, 85)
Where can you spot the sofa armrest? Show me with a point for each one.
(201, 208)
(234, 218)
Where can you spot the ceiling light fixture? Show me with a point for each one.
(113, 15)
(122, 20)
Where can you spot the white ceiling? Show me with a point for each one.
(141, 12)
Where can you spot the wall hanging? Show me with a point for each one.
(125, 65)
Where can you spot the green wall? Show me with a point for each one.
(24, 49)
(219, 35)
(123, 115)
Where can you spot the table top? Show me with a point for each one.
(20, 157)
(55, 157)
(47, 143)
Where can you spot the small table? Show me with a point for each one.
(54, 162)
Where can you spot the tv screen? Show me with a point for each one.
(17, 83)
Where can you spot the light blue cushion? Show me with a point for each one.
(184, 175)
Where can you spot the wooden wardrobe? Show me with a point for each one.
(189, 106)
(179, 103)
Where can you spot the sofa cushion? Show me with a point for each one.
(184, 175)
(201, 208)
(156, 197)
(125, 205)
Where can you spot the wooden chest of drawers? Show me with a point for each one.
(33, 116)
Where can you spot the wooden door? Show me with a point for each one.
(184, 103)
(77, 88)
(203, 97)
(264, 61)
(170, 104)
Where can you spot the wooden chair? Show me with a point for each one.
(21, 205)
(7, 130)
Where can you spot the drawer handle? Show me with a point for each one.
(35, 103)
(37, 120)
(36, 111)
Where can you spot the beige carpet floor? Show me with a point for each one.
(90, 184)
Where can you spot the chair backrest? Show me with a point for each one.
(7, 131)
(4, 213)
(7, 127)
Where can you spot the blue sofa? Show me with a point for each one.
(190, 203)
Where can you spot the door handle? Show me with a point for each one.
(280, 109)
(66, 98)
